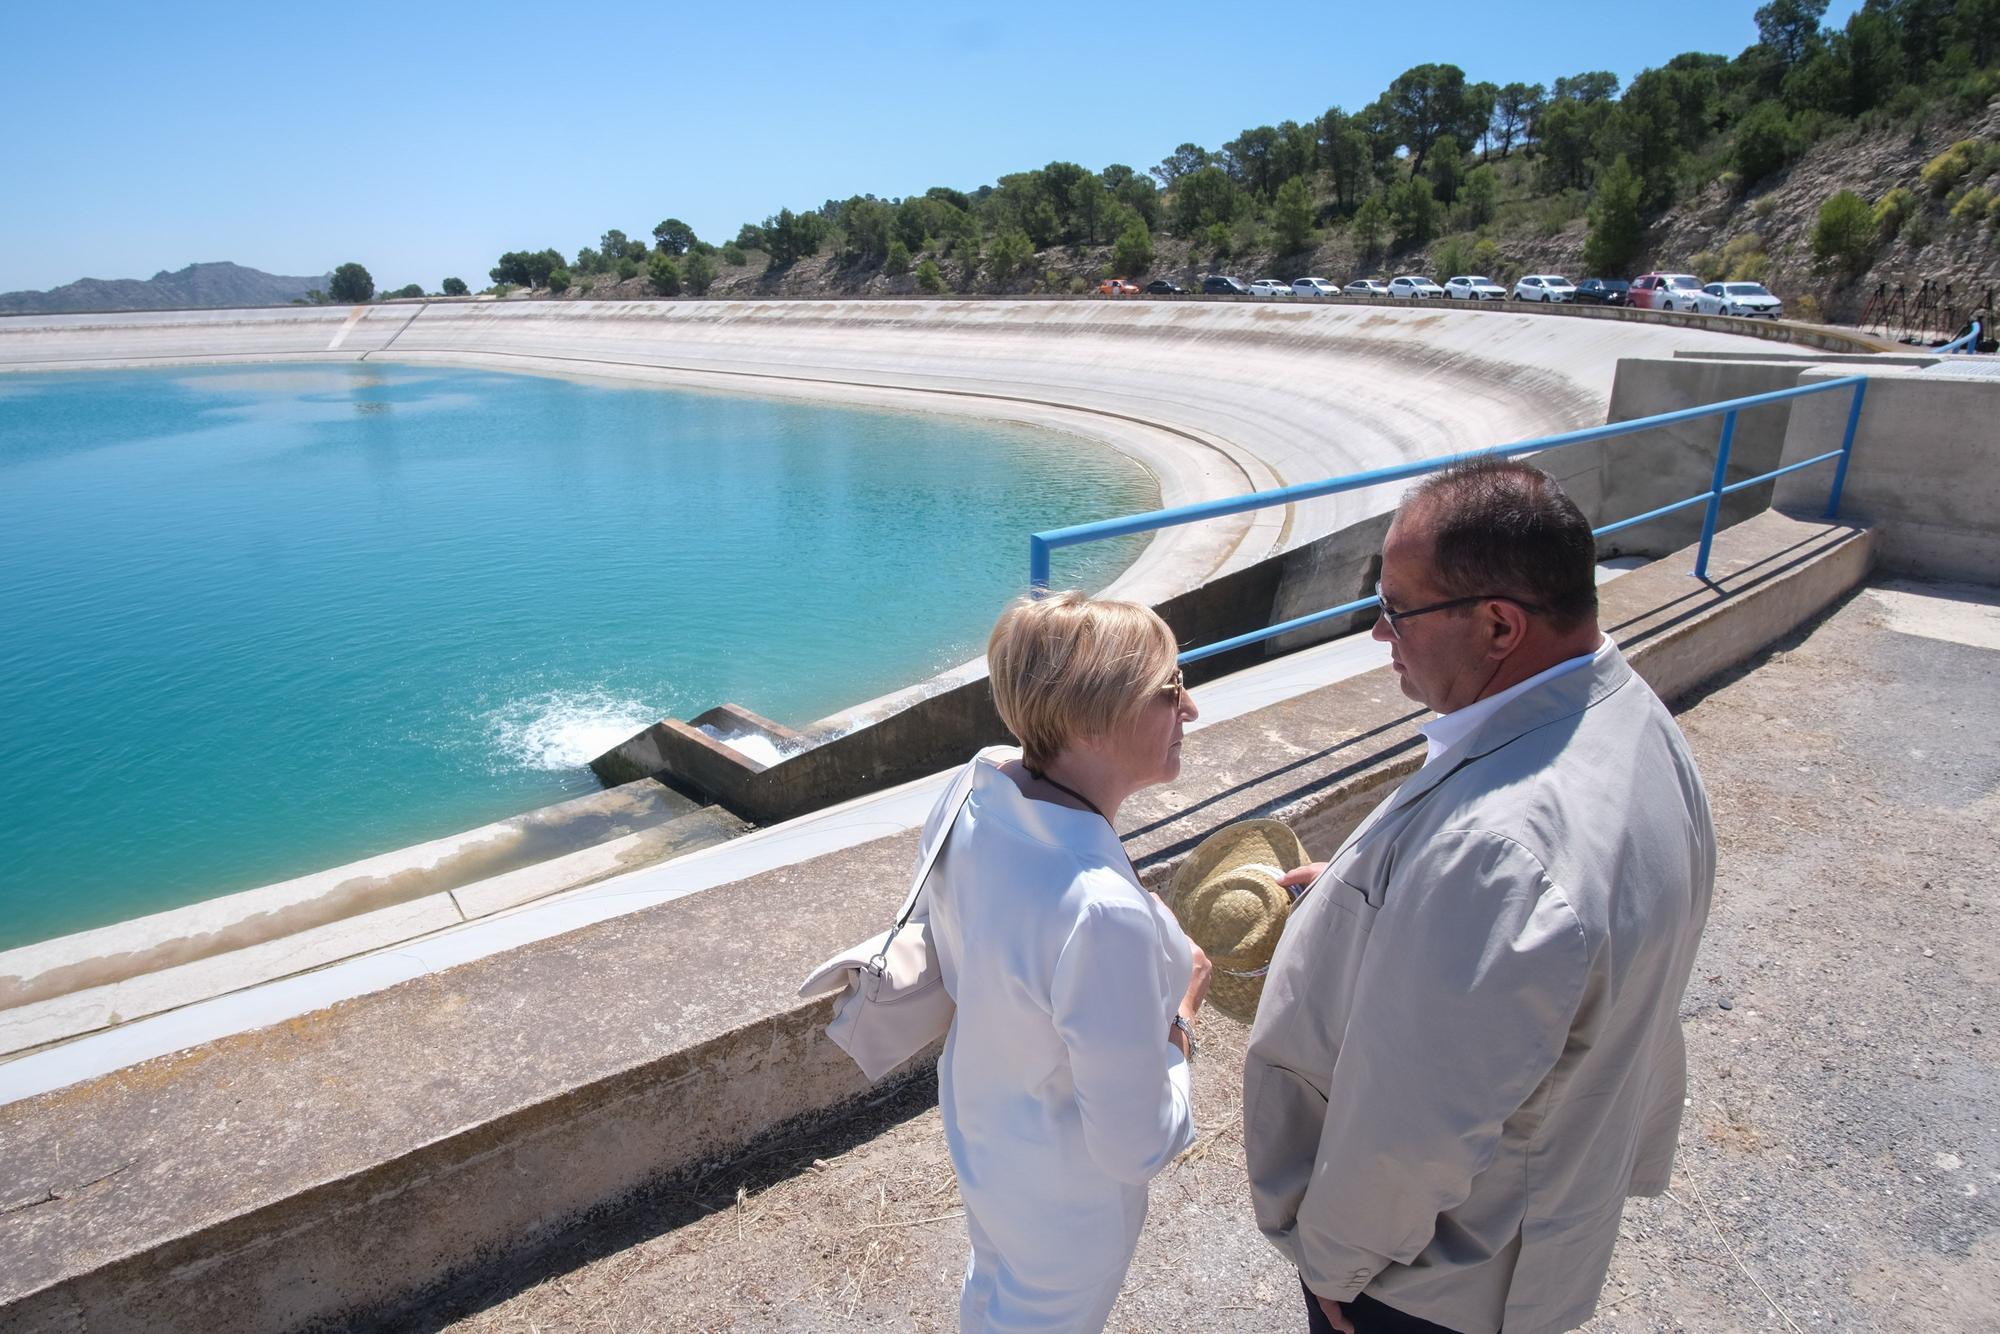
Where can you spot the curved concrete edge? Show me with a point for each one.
(445, 1125)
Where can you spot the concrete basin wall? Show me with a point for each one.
(1216, 398)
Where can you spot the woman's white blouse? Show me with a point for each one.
(1060, 1094)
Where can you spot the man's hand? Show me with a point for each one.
(1297, 880)
(1334, 1315)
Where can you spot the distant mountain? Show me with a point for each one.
(196, 286)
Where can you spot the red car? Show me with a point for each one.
(1664, 291)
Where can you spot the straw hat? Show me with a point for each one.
(1226, 896)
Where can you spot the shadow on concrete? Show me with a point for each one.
(663, 1207)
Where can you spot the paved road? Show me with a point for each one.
(1840, 1167)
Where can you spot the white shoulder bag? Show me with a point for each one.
(893, 1003)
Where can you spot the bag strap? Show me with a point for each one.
(961, 789)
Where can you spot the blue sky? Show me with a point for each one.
(423, 139)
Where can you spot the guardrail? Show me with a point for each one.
(1969, 343)
(1042, 545)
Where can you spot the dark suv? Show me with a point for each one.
(1602, 291)
(1165, 287)
(1217, 284)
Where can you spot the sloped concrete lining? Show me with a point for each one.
(339, 1165)
(1926, 467)
(1215, 397)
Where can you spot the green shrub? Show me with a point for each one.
(1891, 209)
(1993, 214)
(1970, 210)
(697, 272)
(733, 256)
(1916, 232)
(1218, 240)
(1845, 232)
(1134, 251)
(1011, 253)
(453, 287)
(628, 268)
(1707, 264)
(558, 280)
(501, 290)
(1453, 257)
(1943, 171)
(898, 262)
(1744, 260)
(1764, 207)
(929, 279)
(663, 274)
(1078, 286)
(1615, 226)
(1765, 141)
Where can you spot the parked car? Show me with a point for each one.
(1664, 291)
(1749, 299)
(1117, 287)
(1365, 287)
(1415, 287)
(1602, 291)
(1544, 287)
(1220, 284)
(1313, 287)
(1470, 287)
(1165, 287)
(1270, 287)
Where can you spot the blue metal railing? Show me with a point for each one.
(1042, 545)
(1969, 343)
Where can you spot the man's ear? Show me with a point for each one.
(1506, 626)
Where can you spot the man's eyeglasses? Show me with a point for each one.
(1396, 618)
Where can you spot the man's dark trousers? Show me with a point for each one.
(1368, 1316)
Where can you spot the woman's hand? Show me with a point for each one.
(1197, 991)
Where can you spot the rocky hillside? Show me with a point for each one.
(1720, 232)
(198, 286)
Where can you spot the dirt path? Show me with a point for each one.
(1839, 1169)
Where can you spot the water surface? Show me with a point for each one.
(259, 621)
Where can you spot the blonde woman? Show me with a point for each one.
(1064, 1081)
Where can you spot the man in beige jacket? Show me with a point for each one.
(1468, 1051)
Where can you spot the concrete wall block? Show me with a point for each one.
(1639, 472)
(1922, 471)
(363, 1249)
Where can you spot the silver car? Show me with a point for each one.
(1365, 287)
(1748, 299)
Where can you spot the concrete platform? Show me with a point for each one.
(344, 1163)
(1839, 1166)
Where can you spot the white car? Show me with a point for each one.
(1365, 287)
(1470, 287)
(1415, 287)
(1313, 287)
(1751, 299)
(1544, 287)
(1270, 287)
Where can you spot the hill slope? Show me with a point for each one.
(197, 286)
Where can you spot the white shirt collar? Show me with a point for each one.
(1448, 731)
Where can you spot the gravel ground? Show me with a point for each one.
(1839, 1168)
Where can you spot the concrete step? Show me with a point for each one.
(670, 826)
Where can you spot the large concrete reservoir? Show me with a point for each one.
(593, 1018)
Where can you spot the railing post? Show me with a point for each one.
(1038, 565)
(1714, 511)
(1846, 451)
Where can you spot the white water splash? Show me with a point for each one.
(759, 748)
(565, 729)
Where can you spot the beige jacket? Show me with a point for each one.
(1468, 1051)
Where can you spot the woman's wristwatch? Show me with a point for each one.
(1180, 1021)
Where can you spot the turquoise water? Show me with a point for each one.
(259, 621)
